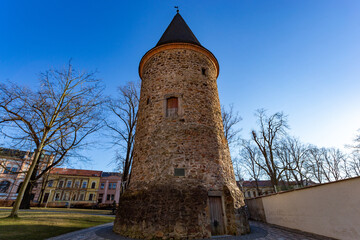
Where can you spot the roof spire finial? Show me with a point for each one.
(177, 9)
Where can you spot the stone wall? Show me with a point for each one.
(193, 140)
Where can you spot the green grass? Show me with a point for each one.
(76, 210)
(40, 225)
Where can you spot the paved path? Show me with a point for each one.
(259, 231)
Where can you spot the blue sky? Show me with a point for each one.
(299, 57)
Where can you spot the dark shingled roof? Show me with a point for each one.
(178, 32)
(7, 152)
(108, 174)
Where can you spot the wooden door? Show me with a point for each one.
(216, 216)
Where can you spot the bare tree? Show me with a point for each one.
(56, 118)
(354, 163)
(124, 110)
(315, 164)
(238, 169)
(250, 158)
(271, 130)
(334, 159)
(230, 120)
(293, 155)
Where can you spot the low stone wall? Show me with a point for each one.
(331, 209)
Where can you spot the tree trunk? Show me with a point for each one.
(15, 209)
(25, 203)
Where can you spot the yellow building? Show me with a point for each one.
(67, 187)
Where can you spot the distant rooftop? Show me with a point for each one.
(267, 183)
(108, 174)
(77, 172)
(7, 152)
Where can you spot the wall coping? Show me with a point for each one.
(307, 187)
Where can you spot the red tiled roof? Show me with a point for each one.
(77, 172)
(264, 183)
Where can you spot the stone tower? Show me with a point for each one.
(182, 181)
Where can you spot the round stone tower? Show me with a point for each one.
(182, 181)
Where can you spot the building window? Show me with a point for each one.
(172, 106)
(203, 71)
(77, 184)
(81, 197)
(84, 184)
(108, 197)
(112, 197)
(14, 170)
(91, 197)
(7, 169)
(93, 184)
(50, 183)
(102, 185)
(68, 184)
(114, 185)
(179, 172)
(249, 194)
(66, 197)
(61, 183)
(57, 197)
(74, 197)
(101, 195)
(4, 186)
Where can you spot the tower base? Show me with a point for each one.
(176, 211)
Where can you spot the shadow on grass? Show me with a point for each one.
(32, 232)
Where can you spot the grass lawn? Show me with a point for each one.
(37, 224)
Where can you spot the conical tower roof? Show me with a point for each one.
(178, 32)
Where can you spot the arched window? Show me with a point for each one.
(4, 186)
(93, 184)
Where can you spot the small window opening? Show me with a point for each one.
(172, 105)
(203, 71)
(179, 172)
(148, 101)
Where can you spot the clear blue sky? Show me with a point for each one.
(300, 57)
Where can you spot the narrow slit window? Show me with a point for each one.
(172, 106)
(179, 172)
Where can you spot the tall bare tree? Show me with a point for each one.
(271, 130)
(315, 164)
(354, 163)
(293, 155)
(122, 125)
(230, 119)
(56, 118)
(333, 163)
(251, 157)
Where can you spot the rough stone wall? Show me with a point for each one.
(166, 213)
(194, 140)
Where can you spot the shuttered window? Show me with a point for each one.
(172, 106)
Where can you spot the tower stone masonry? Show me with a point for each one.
(182, 182)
